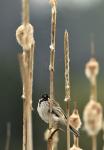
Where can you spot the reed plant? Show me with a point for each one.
(24, 36)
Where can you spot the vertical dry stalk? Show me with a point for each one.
(55, 143)
(93, 94)
(94, 143)
(92, 45)
(52, 47)
(49, 144)
(52, 61)
(26, 65)
(24, 35)
(7, 145)
(92, 70)
(25, 12)
(56, 138)
(76, 141)
(67, 84)
(103, 134)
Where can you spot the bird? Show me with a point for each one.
(58, 115)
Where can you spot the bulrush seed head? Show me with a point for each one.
(75, 120)
(24, 36)
(93, 117)
(92, 68)
(75, 148)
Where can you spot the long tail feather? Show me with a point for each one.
(74, 131)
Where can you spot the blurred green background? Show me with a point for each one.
(80, 18)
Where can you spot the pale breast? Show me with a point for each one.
(43, 111)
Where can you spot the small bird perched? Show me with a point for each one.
(58, 115)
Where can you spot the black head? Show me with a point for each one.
(45, 97)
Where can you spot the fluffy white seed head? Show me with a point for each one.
(92, 69)
(24, 36)
(93, 116)
(75, 148)
(75, 120)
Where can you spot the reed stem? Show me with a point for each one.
(7, 145)
(93, 94)
(25, 12)
(52, 62)
(103, 133)
(67, 84)
(26, 66)
(94, 143)
(24, 35)
(76, 141)
(52, 47)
